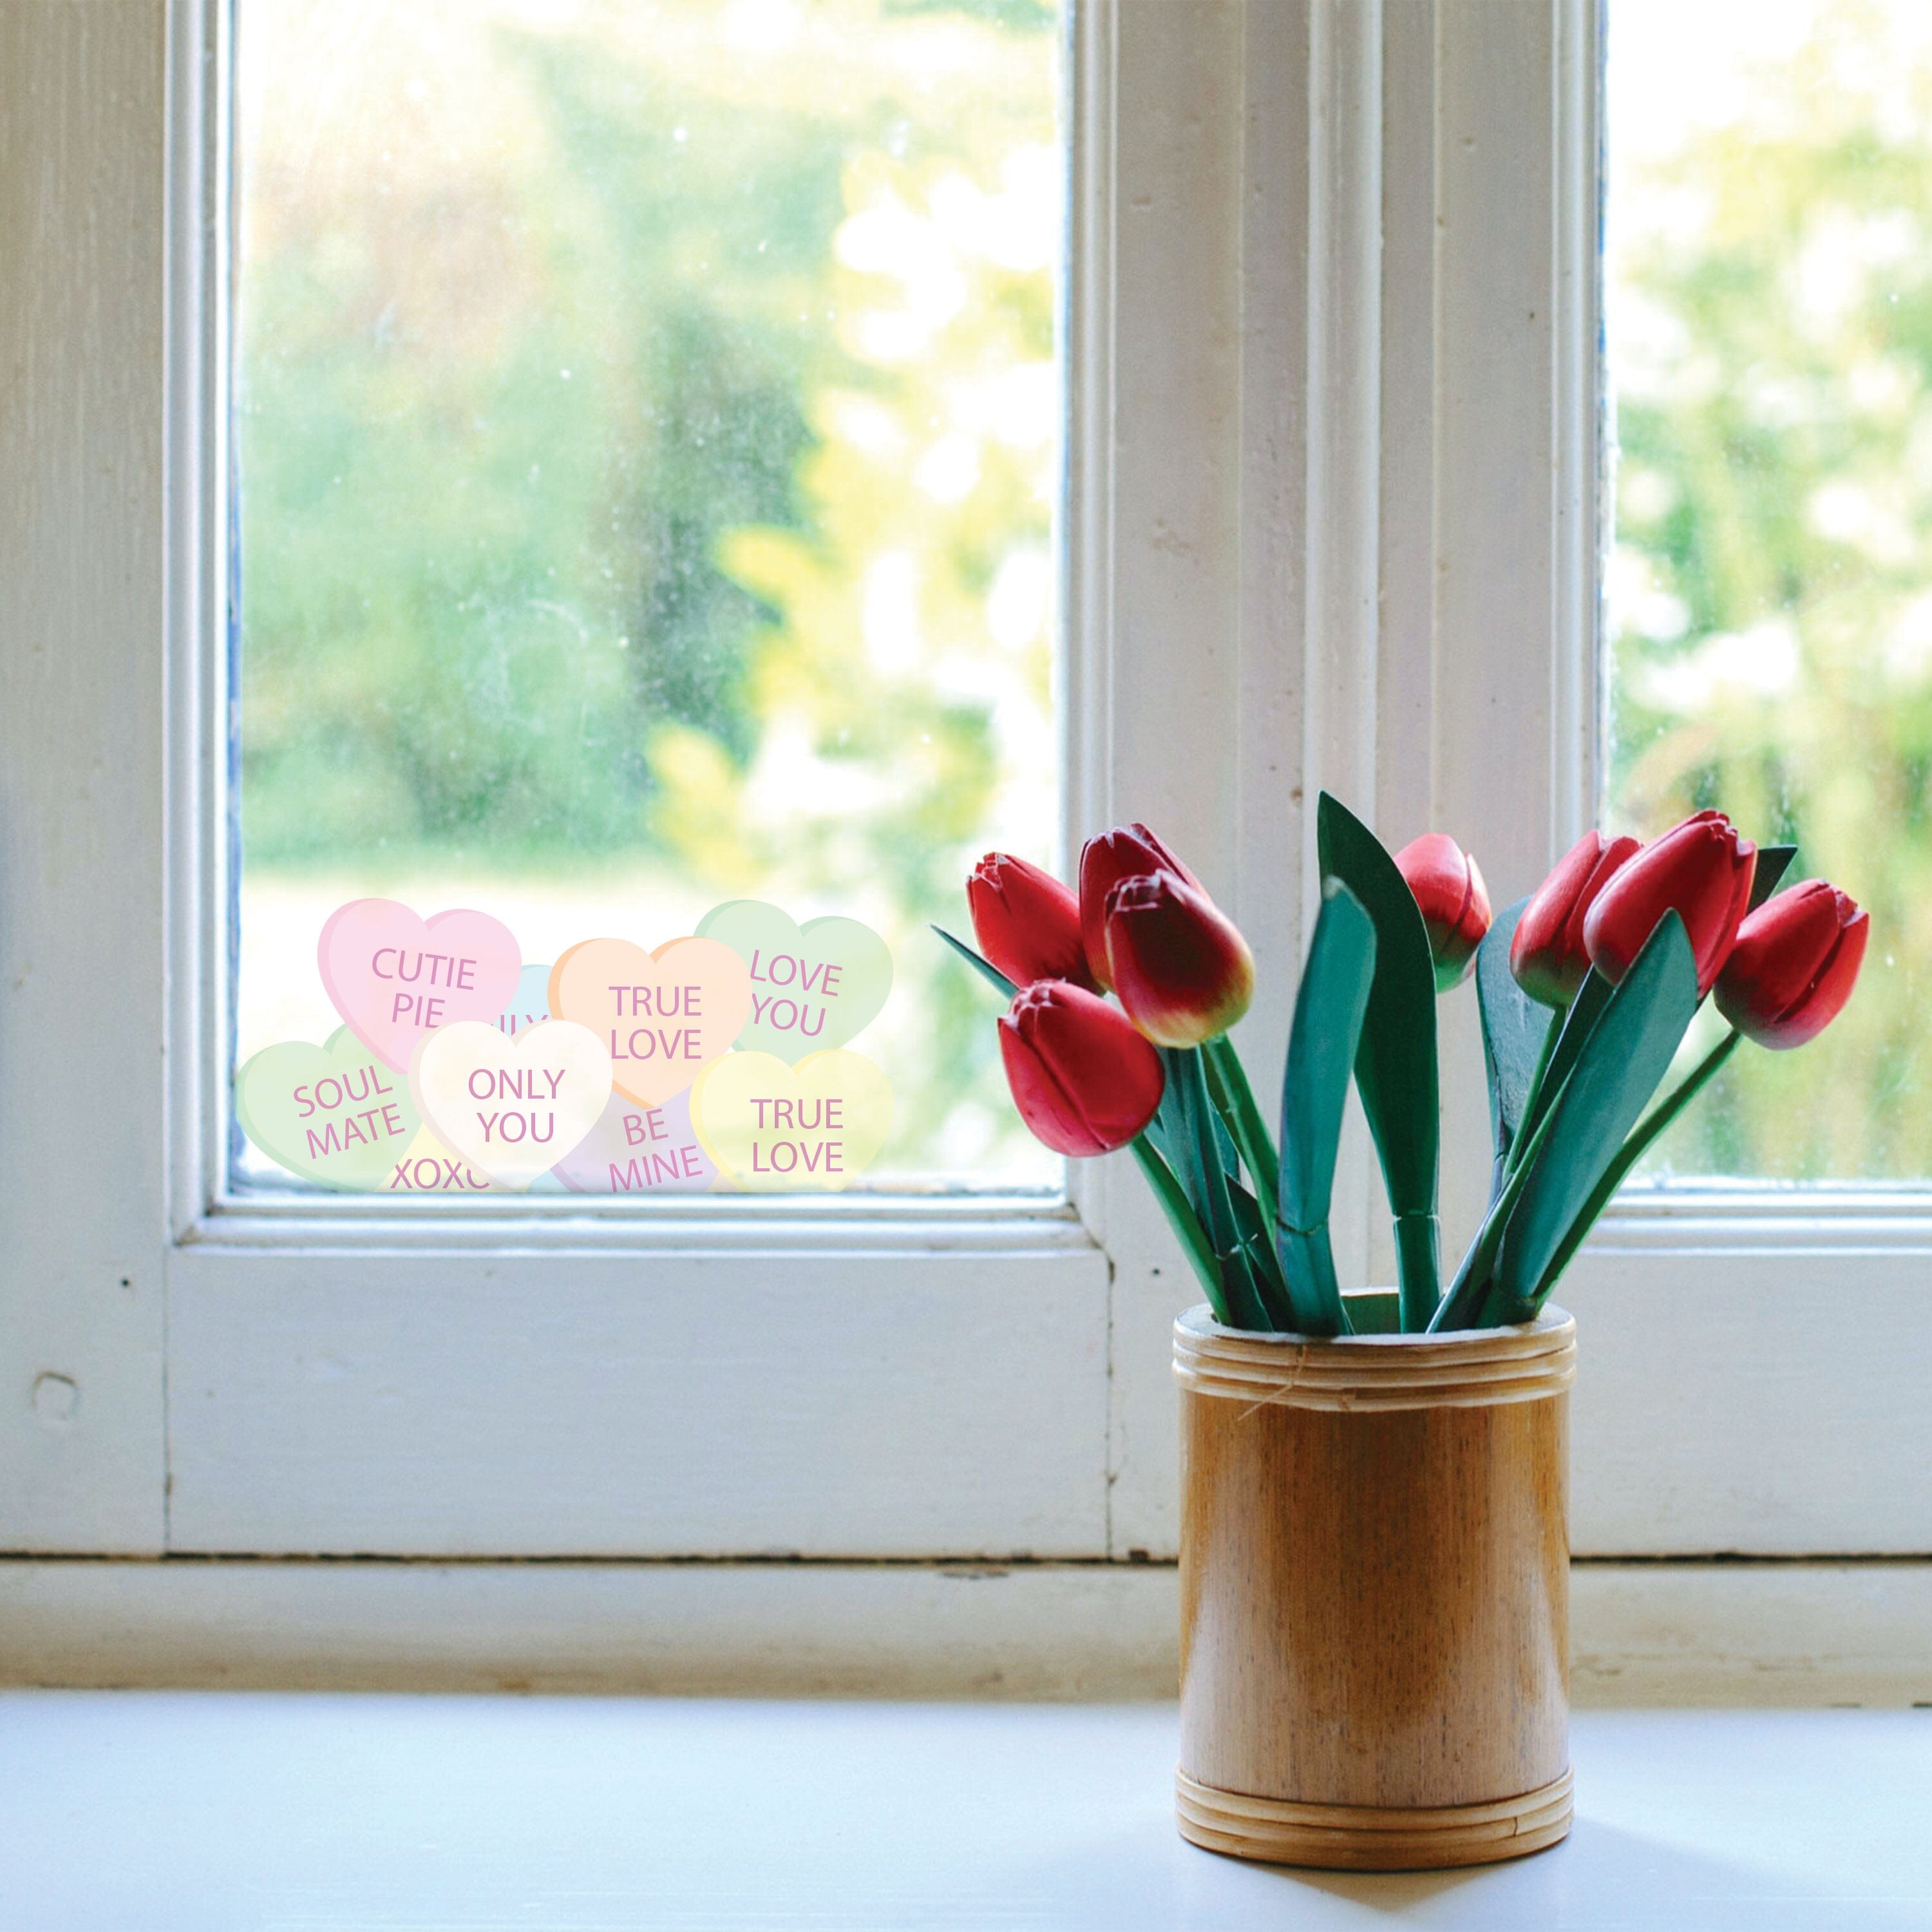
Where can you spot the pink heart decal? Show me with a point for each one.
(395, 978)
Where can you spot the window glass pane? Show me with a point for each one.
(647, 422)
(1768, 605)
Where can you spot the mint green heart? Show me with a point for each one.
(334, 1114)
(813, 986)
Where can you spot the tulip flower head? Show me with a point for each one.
(1026, 922)
(1448, 885)
(1796, 962)
(1127, 852)
(1547, 954)
(1701, 869)
(1083, 1079)
(1183, 972)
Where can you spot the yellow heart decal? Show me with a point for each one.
(775, 1128)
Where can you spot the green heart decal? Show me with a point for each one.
(814, 986)
(335, 1114)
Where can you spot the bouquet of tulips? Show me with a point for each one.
(1586, 989)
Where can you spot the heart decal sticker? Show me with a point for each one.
(716, 1061)
(817, 1125)
(430, 1168)
(334, 1114)
(512, 1107)
(662, 1017)
(394, 977)
(530, 1003)
(814, 986)
(635, 1149)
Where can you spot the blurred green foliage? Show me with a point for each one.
(647, 451)
(1771, 586)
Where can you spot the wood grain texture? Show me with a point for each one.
(1375, 1602)
(1363, 1837)
(1377, 1372)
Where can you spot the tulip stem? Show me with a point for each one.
(1187, 1224)
(1462, 1307)
(1635, 1146)
(1244, 1291)
(1236, 1099)
(1532, 1097)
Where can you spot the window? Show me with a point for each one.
(1328, 516)
(646, 445)
(1769, 618)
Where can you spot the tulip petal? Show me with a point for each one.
(1181, 970)
(1084, 1081)
(1794, 965)
(1026, 922)
(1702, 870)
(1126, 852)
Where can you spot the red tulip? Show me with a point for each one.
(1027, 923)
(1127, 852)
(1795, 962)
(1448, 886)
(1182, 971)
(1546, 955)
(1701, 869)
(1084, 1080)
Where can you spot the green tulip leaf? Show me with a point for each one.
(1514, 1028)
(1202, 1156)
(1628, 1052)
(1169, 1132)
(979, 965)
(1329, 1009)
(1773, 862)
(1395, 1065)
(1579, 1024)
(1258, 1253)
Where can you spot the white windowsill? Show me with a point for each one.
(141, 1812)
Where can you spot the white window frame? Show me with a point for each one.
(1334, 448)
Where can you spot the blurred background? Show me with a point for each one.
(648, 426)
(1768, 314)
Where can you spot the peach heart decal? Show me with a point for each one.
(512, 1107)
(334, 1113)
(635, 1149)
(395, 978)
(817, 1125)
(663, 1016)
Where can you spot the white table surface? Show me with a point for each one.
(148, 1812)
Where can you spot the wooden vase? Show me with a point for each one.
(1374, 1593)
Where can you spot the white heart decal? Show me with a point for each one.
(512, 1107)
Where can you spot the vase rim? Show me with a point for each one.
(1463, 1368)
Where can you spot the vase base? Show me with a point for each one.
(1365, 1837)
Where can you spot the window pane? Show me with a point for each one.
(1769, 310)
(647, 417)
